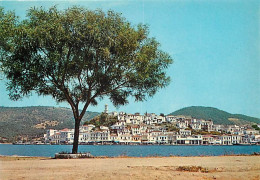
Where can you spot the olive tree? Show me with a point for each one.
(80, 56)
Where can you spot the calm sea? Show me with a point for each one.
(135, 151)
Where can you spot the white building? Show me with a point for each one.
(162, 138)
(136, 130)
(88, 127)
(125, 138)
(182, 124)
(67, 136)
(171, 119)
(195, 126)
(184, 132)
(192, 140)
(100, 136)
(226, 139)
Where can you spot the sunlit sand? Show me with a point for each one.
(218, 167)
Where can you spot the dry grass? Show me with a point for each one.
(192, 169)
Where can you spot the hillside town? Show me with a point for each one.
(149, 129)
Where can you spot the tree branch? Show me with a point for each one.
(86, 105)
(66, 65)
(67, 95)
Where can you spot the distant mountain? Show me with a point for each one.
(33, 121)
(218, 116)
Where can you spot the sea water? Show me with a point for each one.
(127, 150)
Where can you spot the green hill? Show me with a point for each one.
(33, 121)
(218, 116)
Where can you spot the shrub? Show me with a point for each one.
(192, 169)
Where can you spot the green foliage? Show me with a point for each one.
(256, 127)
(103, 120)
(218, 116)
(22, 121)
(170, 127)
(215, 133)
(200, 132)
(78, 56)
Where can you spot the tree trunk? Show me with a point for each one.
(76, 137)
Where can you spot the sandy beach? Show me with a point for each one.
(218, 167)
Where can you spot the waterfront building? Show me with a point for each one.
(236, 139)
(100, 136)
(136, 139)
(151, 138)
(114, 138)
(152, 129)
(55, 139)
(125, 138)
(226, 139)
(189, 140)
(162, 138)
(67, 136)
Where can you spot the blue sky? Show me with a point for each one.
(215, 46)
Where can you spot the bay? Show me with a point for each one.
(127, 150)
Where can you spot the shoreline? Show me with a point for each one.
(125, 156)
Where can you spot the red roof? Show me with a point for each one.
(137, 136)
(135, 126)
(207, 135)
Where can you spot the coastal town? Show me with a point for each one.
(150, 129)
